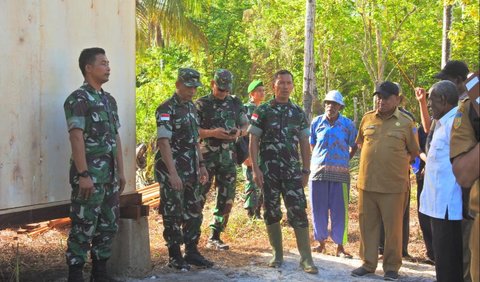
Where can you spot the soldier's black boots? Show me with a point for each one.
(215, 243)
(175, 259)
(99, 271)
(192, 256)
(75, 273)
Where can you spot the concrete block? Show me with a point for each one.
(131, 249)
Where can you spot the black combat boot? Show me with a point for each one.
(75, 273)
(99, 271)
(192, 256)
(175, 259)
(215, 243)
(258, 213)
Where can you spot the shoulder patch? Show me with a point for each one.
(165, 117)
(458, 119)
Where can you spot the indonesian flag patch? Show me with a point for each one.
(164, 117)
(254, 117)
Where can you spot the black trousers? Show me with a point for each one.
(447, 246)
(425, 226)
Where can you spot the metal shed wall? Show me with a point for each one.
(40, 41)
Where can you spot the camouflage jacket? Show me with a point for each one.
(178, 122)
(279, 127)
(213, 113)
(96, 113)
(250, 108)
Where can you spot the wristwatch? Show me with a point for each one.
(305, 171)
(84, 173)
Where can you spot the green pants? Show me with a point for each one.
(293, 195)
(94, 223)
(181, 212)
(253, 194)
(221, 165)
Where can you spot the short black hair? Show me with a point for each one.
(454, 69)
(281, 72)
(88, 56)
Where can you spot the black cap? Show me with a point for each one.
(387, 88)
(453, 69)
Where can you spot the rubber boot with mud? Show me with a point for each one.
(275, 237)
(303, 245)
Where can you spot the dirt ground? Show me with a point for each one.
(41, 258)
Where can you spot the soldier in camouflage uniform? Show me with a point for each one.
(222, 119)
(277, 128)
(179, 168)
(96, 172)
(253, 194)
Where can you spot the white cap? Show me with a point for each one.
(334, 96)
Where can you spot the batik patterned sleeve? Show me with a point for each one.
(313, 136)
(352, 133)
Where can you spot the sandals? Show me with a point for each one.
(320, 248)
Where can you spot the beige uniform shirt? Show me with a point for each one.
(463, 140)
(387, 146)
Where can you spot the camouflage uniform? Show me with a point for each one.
(94, 221)
(279, 128)
(253, 195)
(219, 154)
(177, 121)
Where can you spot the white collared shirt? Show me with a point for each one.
(440, 189)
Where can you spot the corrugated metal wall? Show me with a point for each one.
(40, 41)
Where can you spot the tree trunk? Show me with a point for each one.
(447, 24)
(309, 64)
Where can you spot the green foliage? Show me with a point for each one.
(156, 75)
(465, 33)
(254, 39)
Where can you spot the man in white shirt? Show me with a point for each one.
(441, 198)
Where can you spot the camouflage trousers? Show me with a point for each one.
(220, 165)
(94, 223)
(291, 191)
(181, 212)
(253, 195)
